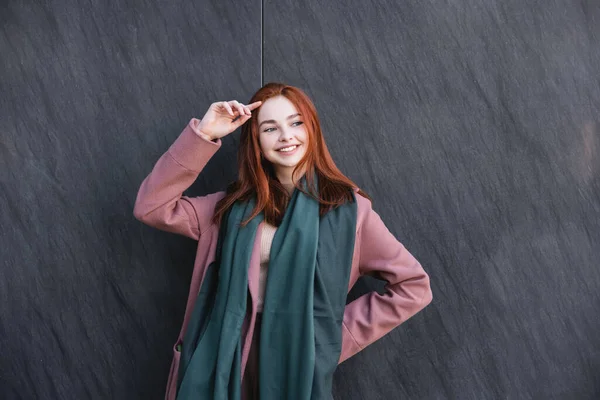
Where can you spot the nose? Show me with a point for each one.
(285, 134)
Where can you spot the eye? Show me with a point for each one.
(297, 122)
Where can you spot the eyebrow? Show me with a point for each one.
(273, 121)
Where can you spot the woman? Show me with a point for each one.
(278, 252)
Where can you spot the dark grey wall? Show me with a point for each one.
(474, 125)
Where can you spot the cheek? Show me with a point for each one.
(303, 150)
(265, 142)
(262, 143)
(304, 136)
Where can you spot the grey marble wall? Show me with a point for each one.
(474, 125)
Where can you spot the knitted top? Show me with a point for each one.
(265, 248)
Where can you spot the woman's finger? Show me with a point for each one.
(254, 105)
(244, 109)
(238, 106)
(240, 119)
(227, 107)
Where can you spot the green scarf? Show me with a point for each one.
(303, 309)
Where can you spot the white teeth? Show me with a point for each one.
(288, 148)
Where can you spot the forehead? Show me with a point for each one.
(277, 108)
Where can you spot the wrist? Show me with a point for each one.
(205, 136)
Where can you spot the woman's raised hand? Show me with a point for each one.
(224, 117)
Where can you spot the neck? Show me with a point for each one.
(289, 187)
(285, 177)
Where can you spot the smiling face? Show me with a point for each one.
(281, 127)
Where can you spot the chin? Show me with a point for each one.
(287, 165)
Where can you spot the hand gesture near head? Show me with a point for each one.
(224, 117)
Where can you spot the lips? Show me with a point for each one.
(285, 153)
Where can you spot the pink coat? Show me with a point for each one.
(160, 203)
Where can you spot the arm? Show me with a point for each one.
(160, 202)
(408, 291)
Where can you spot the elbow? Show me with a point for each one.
(149, 218)
(140, 213)
(137, 213)
(144, 208)
(427, 297)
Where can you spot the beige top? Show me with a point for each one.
(268, 232)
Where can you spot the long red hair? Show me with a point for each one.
(256, 174)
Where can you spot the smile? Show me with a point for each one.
(288, 150)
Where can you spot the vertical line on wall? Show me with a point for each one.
(262, 39)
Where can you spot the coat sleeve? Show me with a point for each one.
(407, 291)
(160, 202)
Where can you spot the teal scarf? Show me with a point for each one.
(303, 309)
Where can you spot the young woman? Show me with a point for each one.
(278, 251)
